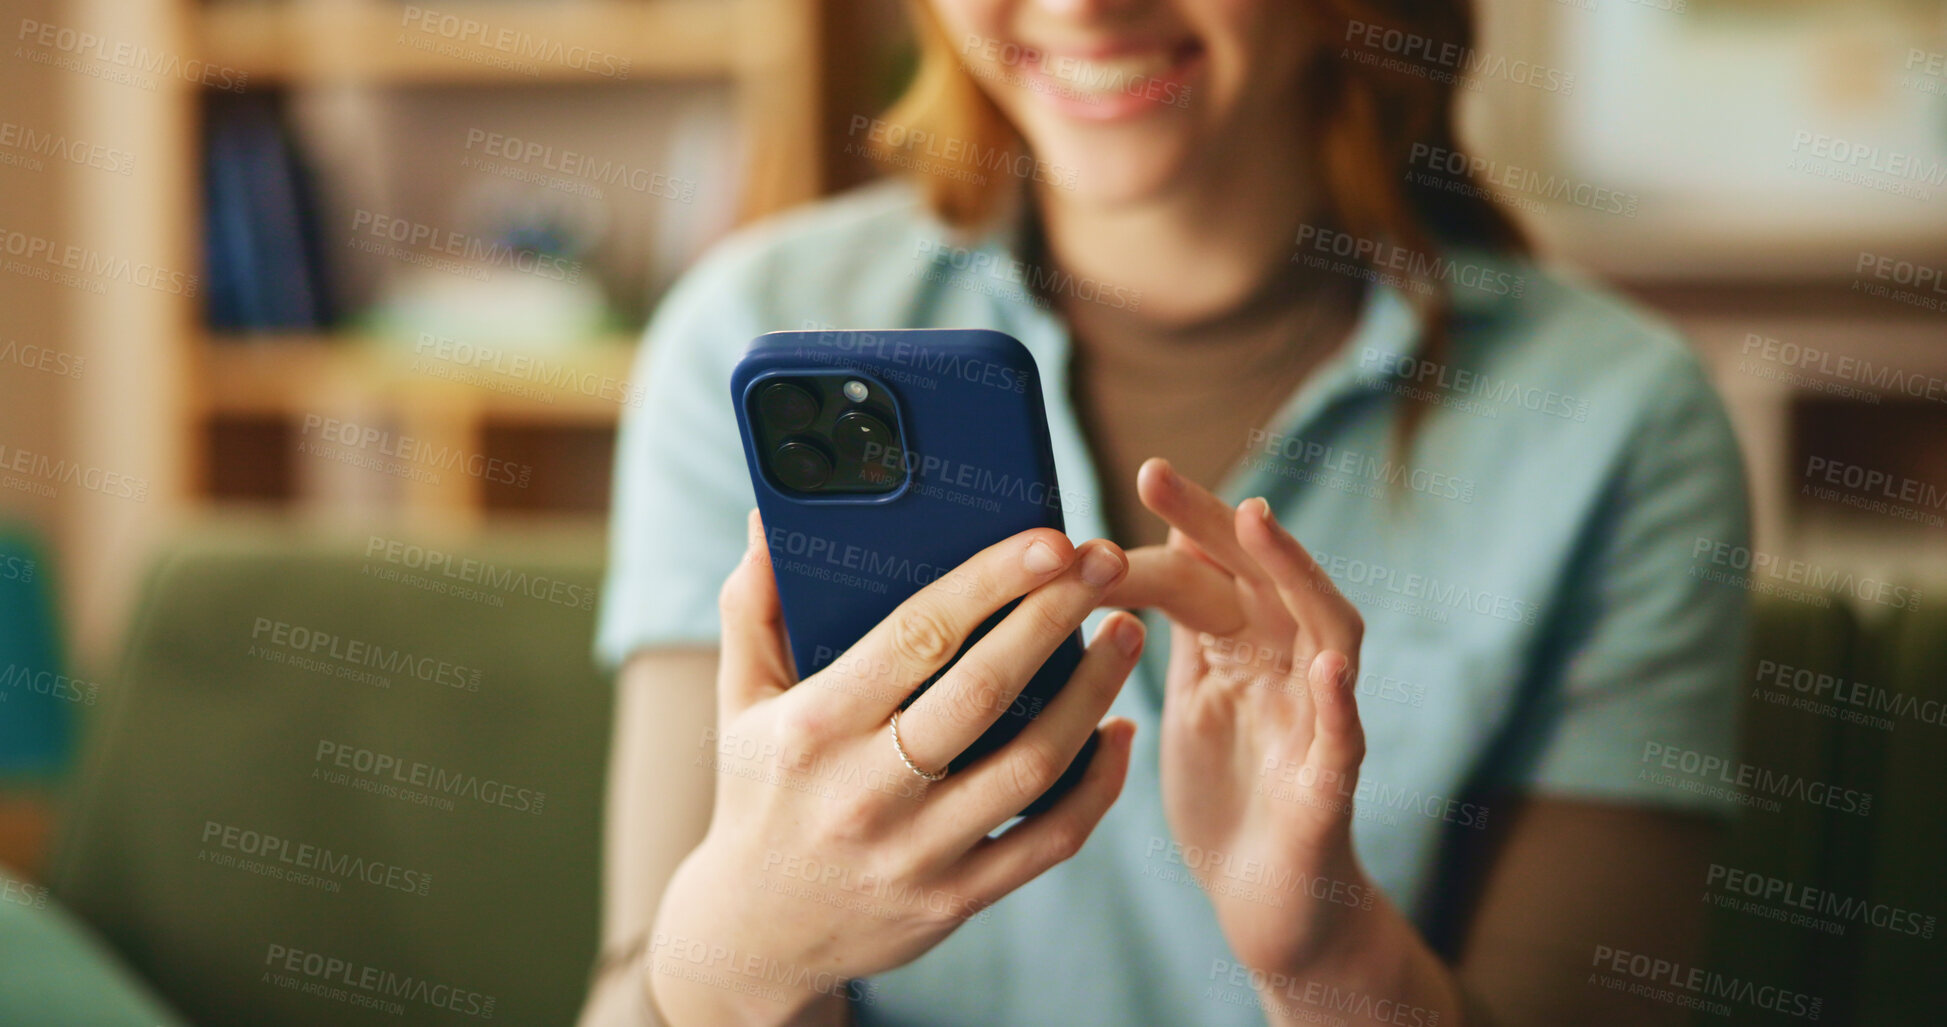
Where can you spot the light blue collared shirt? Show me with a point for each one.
(1536, 619)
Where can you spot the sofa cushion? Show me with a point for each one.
(352, 781)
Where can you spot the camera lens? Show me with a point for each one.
(801, 466)
(788, 407)
(863, 437)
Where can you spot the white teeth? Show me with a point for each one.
(1109, 74)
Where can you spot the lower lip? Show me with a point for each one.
(1137, 97)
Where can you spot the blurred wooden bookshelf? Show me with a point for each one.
(310, 41)
(367, 429)
(295, 374)
(247, 401)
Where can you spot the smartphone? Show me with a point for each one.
(882, 460)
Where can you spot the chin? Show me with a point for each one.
(1108, 171)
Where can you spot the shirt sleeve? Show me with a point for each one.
(681, 490)
(1650, 652)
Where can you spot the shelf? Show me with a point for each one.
(363, 428)
(297, 375)
(472, 41)
(514, 531)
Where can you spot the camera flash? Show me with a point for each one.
(855, 391)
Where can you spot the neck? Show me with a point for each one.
(1198, 249)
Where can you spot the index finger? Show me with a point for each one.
(924, 633)
(1199, 515)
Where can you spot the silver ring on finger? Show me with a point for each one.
(908, 760)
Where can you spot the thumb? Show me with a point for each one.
(754, 663)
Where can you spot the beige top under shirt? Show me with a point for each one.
(1194, 392)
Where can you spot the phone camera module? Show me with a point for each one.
(826, 436)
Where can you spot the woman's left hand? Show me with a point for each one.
(1261, 739)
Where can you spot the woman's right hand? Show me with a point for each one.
(827, 857)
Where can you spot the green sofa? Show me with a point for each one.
(342, 783)
(220, 756)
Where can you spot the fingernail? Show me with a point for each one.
(1040, 558)
(1127, 634)
(1100, 567)
(1262, 507)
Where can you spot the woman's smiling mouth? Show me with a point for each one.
(1117, 81)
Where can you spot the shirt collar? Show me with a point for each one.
(1385, 344)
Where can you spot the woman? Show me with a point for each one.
(1382, 761)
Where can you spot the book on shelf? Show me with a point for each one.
(262, 242)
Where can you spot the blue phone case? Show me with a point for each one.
(978, 468)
